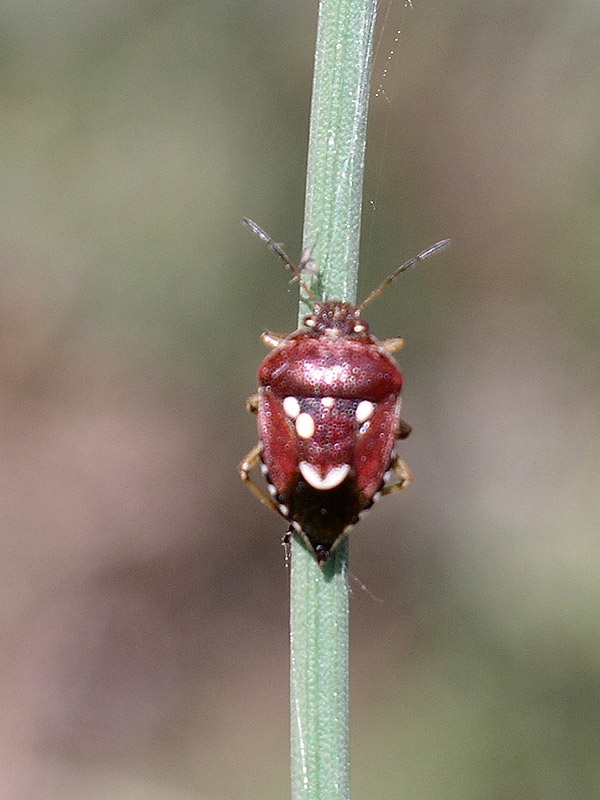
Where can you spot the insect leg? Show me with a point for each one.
(252, 408)
(403, 474)
(404, 430)
(245, 467)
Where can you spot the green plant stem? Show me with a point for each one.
(320, 768)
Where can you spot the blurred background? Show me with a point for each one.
(143, 611)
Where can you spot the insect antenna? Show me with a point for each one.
(278, 250)
(436, 248)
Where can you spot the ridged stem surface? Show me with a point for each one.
(320, 753)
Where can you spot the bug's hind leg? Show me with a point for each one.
(245, 467)
(402, 472)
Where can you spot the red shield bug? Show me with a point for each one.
(328, 409)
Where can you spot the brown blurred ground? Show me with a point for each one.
(143, 609)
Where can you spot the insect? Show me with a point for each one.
(328, 411)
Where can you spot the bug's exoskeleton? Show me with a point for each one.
(328, 409)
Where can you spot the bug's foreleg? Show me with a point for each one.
(245, 467)
(403, 474)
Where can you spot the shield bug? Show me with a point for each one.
(328, 409)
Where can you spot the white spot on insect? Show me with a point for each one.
(364, 411)
(305, 425)
(376, 496)
(330, 480)
(263, 468)
(310, 322)
(387, 476)
(291, 407)
(272, 489)
(328, 402)
(284, 510)
(360, 328)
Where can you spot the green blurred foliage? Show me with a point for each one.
(144, 608)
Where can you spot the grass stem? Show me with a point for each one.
(320, 752)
